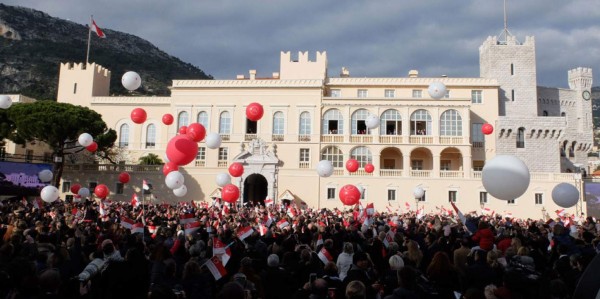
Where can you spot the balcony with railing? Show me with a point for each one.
(225, 137)
(478, 144)
(250, 137)
(338, 171)
(361, 138)
(420, 173)
(303, 138)
(452, 140)
(390, 172)
(277, 137)
(304, 165)
(332, 138)
(222, 163)
(393, 139)
(451, 173)
(360, 172)
(200, 163)
(416, 139)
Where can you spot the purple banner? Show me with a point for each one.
(21, 178)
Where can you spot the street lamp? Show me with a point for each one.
(418, 193)
(543, 213)
(578, 182)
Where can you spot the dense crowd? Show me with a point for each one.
(209, 250)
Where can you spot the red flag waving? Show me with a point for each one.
(97, 29)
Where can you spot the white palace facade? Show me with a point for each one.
(309, 116)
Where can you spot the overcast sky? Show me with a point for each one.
(376, 38)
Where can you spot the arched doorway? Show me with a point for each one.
(255, 189)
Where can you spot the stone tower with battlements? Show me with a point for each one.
(303, 68)
(79, 82)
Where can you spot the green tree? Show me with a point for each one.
(150, 159)
(58, 125)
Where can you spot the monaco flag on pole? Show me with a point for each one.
(97, 29)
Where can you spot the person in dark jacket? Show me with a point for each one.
(360, 271)
(407, 283)
(280, 283)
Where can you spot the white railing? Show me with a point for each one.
(250, 137)
(451, 140)
(394, 139)
(277, 137)
(360, 172)
(476, 174)
(420, 173)
(361, 139)
(421, 139)
(225, 137)
(222, 164)
(304, 165)
(200, 163)
(390, 172)
(332, 138)
(338, 171)
(303, 137)
(451, 174)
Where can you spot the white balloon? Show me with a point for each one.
(174, 180)
(213, 140)
(45, 175)
(5, 102)
(84, 192)
(437, 90)
(372, 121)
(131, 80)
(325, 168)
(223, 179)
(85, 139)
(181, 191)
(49, 194)
(565, 195)
(505, 177)
(418, 192)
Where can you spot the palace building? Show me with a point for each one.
(311, 115)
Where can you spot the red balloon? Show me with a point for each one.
(196, 131)
(181, 150)
(230, 193)
(124, 177)
(138, 115)
(236, 169)
(167, 119)
(168, 167)
(369, 168)
(352, 165)
(92, 147)
(75, 188)
(183, 130)
(487, 129)
(254, 111)
(349, 195)
(101, 191)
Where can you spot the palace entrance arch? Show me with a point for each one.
(261, 164)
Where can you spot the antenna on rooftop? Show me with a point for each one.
(503, 38)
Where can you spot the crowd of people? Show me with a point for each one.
(211, 250)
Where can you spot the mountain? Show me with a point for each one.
(33, 44)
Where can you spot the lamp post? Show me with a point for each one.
(544, 213)
(578, 180)
(418, 193)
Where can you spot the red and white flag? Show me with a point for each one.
(508, 214)
(152, 229)
(134, 201)
(137, 228)
(216, 267)
(370, 209)
(291, 211)
(269, 219)
(407, 205)
(319, 240)
(225, 210)
(324, 256)
(282, 223)
(192, 227)
(245, 232)
(38, 203)
(97, 29)
(145, 185)
(218, 246)
(268, 202)
(461, 216)
(389, 238)
(186, 218)
(126, 222)
(262, 229)
(561, 212)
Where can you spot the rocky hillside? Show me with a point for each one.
(33, 44)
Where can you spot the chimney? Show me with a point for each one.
(413, 74)
(252, 74)
(345, 72)
(275, 75)
(240, 77)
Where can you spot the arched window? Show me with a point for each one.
(521, 138)
(451, 123)
(359, 127)
(278, 123)
(224, 123)
(124, 135)
(182, 119)
(203, 119)
(362, 154)
(390, 123)
(150, 136)
(420, 123)
(333, 122)
(305, 127)
(333, 154)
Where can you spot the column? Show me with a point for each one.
(376, 163)
(406, 164)
(436, 167)
(467, 166)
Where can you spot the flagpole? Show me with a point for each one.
(87, 54)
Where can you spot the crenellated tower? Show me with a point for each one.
(303, 68)
(79, 81)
